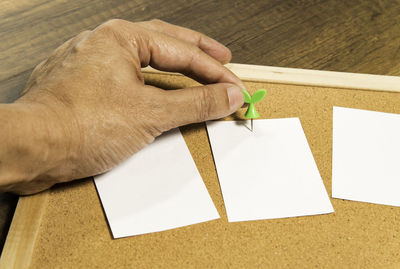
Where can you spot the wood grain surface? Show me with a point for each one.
(353, 36)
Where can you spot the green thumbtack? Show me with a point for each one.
(251, 112)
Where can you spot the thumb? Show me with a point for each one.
(197, 104)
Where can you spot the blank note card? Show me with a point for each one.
(269, 173)
(366, 156)
(157, 189)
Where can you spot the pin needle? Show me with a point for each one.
(251, 124)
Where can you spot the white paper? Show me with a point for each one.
(269, 173)
(366, 156)
(157, 189)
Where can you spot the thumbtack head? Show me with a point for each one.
(251, 112)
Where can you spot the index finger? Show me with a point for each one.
(167, 53)
(210, 46)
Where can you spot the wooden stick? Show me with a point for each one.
(310, 77)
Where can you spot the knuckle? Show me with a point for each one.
(193, 57)
(109, 26)
(203, 101)
(83, 33)
(78, 48)
(108, 33)
(113, 23)
(79, 43)
(105, 28)
(157, 21)
(198, 53)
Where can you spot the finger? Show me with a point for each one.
(170, 54)
(197, 104)
(205, 43)
(166, 53)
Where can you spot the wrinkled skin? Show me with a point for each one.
(86, 108)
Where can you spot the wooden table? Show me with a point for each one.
(360, 36)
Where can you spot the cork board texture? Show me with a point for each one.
(74, 231)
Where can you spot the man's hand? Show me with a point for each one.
(86, 108)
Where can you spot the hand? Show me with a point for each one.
(88, 109)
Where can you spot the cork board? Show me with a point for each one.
(73, 231)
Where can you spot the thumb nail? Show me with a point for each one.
(236, 97)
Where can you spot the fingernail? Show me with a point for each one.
(236, 98)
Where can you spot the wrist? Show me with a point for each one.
(33, 145)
